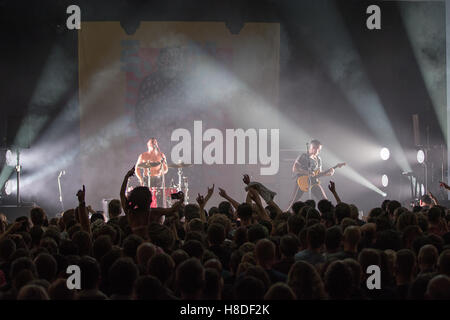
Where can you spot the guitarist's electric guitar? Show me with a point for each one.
(303, 181)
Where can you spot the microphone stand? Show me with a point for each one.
(163, 184)
(18, 168)
(309, 171)
(59, 187)
(163, 160)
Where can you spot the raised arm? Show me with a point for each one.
(224, 195)
(444, 185)
(254, 195)
(202, 202)
(277, 208)
(137, 171)
(157, 213)
(433, 198)
(82, 211)
(123, 198)
(332, 188)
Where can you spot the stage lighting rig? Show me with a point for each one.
(384, 180)
(10, 158)
(384, 154)
(420, 156)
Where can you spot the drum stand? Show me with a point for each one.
(186, 191)
(164, 190)
(186, 185)
(180, 173)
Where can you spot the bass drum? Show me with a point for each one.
(155, 195)
(133, 182)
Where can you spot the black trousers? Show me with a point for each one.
(316, 191)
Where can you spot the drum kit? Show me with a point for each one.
(162, 194)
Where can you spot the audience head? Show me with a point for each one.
(305, 281)
(114, 208)
(341, 211)
(339, 281)
(249, 288)
(428, 258)
(280, 291)
(316, 236)
(265, 253)
(438, 288)
(37, 216)
(333, 239)
(139, 199)
(122, 275)
(161, 266)
(190, 279)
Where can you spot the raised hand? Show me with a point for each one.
(444, 185)
(433, 198)
(200, 200)
(246, 179)
(222, 193)
(332, 187)
(81, 194)
(210, 191)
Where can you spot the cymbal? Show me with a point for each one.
(148, 165)
(179, 165)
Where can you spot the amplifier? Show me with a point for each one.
(13, 211)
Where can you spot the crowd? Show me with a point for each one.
(232, 251)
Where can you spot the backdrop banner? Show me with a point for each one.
(164, 77)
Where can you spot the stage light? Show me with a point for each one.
(10, 158)
(9, 187)
(384, 153)
(420, 156)
(422, 189)
(384, 180)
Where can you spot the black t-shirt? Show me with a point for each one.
(303, 161)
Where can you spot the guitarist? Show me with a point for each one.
(308, 164)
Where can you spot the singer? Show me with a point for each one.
(151, 156)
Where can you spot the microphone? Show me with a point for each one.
(409, 174)
(61, 173)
